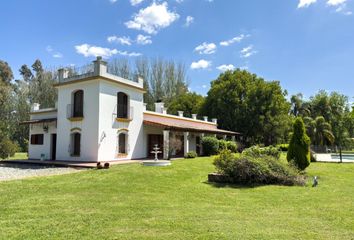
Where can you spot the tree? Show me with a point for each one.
(26, 73)
(190, 103)
(163, 80)
(319, 131)
(6, 74)
(298, 106)
(299, 147)
(246, 103)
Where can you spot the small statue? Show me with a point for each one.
(315, 182)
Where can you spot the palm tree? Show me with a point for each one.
(319, 130)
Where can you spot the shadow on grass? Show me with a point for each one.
(233, 185)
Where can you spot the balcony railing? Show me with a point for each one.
(130, 114)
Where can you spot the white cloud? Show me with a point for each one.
(233, 40)
(135, 2)
(206, 48)
(152, 18)
(189, 21)
(54, 54)
(335, 2)
(225, 67)
(121, 40)
(143, 40)
(247, 52)
(113, 1)
(305, 3)
(88, 50)
(201, 64)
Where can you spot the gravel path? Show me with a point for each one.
(19, 171)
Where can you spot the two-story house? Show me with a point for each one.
(102, 117)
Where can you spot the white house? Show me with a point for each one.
(102, 117)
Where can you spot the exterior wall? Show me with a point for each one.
(88, 126)
(109, 127)
(35, 151)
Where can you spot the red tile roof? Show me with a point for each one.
(182, 124)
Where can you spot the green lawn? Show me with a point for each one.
(19, 155)
(136, 202)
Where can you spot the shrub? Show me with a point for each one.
(232, 146)
(245, 169)
(256, 151)
(7, 148)
(210, 146)
(191, 154)
(222, 145)
(283, 147)
(299, 147)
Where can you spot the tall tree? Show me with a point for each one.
(319, 131)
(190, 103)
(246, 103)
(6, 74)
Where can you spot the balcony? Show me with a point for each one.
(74, 115)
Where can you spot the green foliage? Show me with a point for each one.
(190, 103)
(299, 147)
(222, 145)
(246, 169)
(210, 146)
(246, 103)
(256, 151)
(232, 146)
(319, 131)
(6, 74)
(191, 154)
(7, 148)
(283, 147)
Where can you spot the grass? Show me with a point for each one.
(19, 155)
(136, 202)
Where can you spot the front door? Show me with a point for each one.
(54, 147)
(154, 139)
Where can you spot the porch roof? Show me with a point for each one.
(171, 122)
(38, 121)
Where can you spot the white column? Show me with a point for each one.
(166, 144)
(233, 138)
(225, 136)
(186, 142)
(201, 146)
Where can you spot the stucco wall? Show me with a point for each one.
(110, 127)
(35, 151)
(88, 126)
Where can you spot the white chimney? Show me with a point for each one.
(164, 110)
(215, 120)
(205, 118)
(99, 66)
(62, 74)
(35, 106)
(159, 107)
(180, 113)
(194, 116)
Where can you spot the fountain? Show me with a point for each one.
(156, 161)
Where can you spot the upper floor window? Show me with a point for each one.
(122, 109)
(78, 103)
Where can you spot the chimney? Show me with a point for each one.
(141, 81)
(205, 118)
(62, 74)
(214, 120)
(35, 106)
(180, 113)
(99, 66)
(159, 107)
(194, 116)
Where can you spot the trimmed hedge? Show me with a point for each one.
(210, 146)
(7, 148)
(245, 169)
(299, 147)
(256, 151)
(191, 154)
(283, 147)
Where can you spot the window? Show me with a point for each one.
(122, 138)
(37, 139)
(76, 144)
(122, 109)
(78, 108)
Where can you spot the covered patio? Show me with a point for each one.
(176, 136)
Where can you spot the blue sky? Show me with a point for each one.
(306, 44)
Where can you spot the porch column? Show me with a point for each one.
(225, 136)
(233, 138)
(166, 144)
(201, 145)
(186, 142)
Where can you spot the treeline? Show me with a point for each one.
(240, 100)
